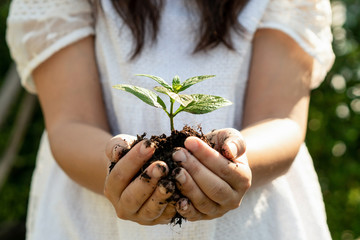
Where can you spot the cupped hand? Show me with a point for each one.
(143, 199)
(213, 180)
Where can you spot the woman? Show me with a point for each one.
(266, 56)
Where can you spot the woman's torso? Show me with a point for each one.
(266, 212)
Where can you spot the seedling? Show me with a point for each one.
(193, 103)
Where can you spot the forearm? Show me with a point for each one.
(271, 147)
(276, 104)
(70, 95)
(79, 149)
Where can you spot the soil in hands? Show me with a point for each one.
(165, 146)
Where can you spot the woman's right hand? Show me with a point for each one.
(143, 199)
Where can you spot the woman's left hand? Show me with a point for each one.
(213, 181)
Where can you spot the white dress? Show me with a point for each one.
(290, 207)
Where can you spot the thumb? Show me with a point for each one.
(116, 146)
(233, 148)
(229, 142)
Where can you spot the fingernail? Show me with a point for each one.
(115, 151)
(179, 175)
(166, 186)
(158, 170)
(179, 156)
(233, 148)
(146, 147)
(162, 190)
(183, 204)
(191, 143)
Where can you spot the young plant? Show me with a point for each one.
(193, 103)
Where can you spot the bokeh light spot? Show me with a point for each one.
(339, 149)
(343, 111)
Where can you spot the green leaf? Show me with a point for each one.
(145, 95)
(162, 90)
(176, 85)
(183, 99)
(161, 81)
(191, 81)
(205, 103)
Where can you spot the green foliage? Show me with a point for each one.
(145, 95)
(4, 52)
(202, 104)
(333, 136)
(194, 103)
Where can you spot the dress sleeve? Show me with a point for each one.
(36, 29)
(308, 22)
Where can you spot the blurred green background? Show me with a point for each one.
(333, 136)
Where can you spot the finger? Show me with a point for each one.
(229, 142)
(168, 214)
(142, 188)
(187, 210)
(165, 218)
(125, 170)
(154, 207)
(196, 192)
(203, 163)
(237, 174)
(115, 147)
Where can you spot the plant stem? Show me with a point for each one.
(172, 123)
(171, 115)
